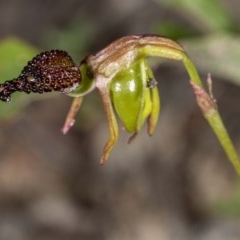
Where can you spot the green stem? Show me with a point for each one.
(194, 76)
(217, 125)
(213, 117)
(207, 104)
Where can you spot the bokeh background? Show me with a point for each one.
(176, 185)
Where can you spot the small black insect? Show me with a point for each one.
(49, 71)
(152, 83)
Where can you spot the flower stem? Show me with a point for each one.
(208, 105)
(217, 125)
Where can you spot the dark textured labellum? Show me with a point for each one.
(49, 71)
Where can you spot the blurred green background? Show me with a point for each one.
(177, 184)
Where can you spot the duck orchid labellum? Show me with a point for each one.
(125, 83)
(48, 71)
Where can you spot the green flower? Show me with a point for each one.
(125, 83)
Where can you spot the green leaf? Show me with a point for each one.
(14, 55)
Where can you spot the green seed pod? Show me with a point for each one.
(132, 95)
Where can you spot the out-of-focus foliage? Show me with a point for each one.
(230, 206)
(73, 39)
(14, 55)
(173, 30)
(218, 54)
(209, 15)
(218, 51)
